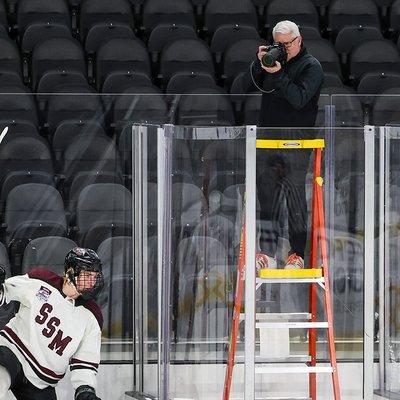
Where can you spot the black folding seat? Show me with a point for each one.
(325, 53)
(19, 126)
(394, 18)
(223, 12)
(34, 11)
(37, 32)
(9, 56)
(156, 12)
(183, 81)
(238, 56)
(303, 12)
(68, 130)
(118, 81)
(310, 33)
(166, 33)
(116, 299)
(47, 252)
(378, 82)
(16, 102)
(24, 158)
(57, 54)
(10, 78)
(332, 80)
(226, 35)
(121, 55)
(386, 108)
(3, 16)
(252, 108)
(140, 104)
(206, 105)
(343, 13)
(373, 56)
(348, 107)
(34, 210)
(73, 102)
(350, 37)
(103, 32)
(87, 155)
(99, 11)
(103, 210)
(185, 55)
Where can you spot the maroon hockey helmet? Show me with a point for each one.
(80, 259)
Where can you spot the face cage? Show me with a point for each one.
(94, 291)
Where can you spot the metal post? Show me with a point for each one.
(164, 256)
(369, 249)
(250, 271)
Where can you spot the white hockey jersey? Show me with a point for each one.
(51, 332)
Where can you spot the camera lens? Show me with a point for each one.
(270, 57)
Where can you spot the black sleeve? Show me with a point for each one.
(299, 93)
(256, 76)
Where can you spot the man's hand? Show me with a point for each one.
(277, 67)
(261, 52)
(2, 275)
(85, 392)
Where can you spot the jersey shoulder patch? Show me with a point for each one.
(94, 308)
(47, 276)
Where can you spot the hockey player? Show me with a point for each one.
(58, 325)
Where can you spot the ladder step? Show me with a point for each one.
(290, 273)
(283, 325)
(278, 360)
(291, 370)
(277, 316)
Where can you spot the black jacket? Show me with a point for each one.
(295, 91)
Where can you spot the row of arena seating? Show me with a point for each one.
(46, 44)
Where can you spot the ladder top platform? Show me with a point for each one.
(290, 273)
(290, 144)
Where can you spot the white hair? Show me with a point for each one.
(286, 27)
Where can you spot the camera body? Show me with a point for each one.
(275, 52)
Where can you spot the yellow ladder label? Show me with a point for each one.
(290, 273)
(290, 144)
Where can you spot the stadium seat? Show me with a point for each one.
(47, 252)
(93, 12)
(17, 103)
(53, 12)
(34, 210)
(10, 78)
(87, 154)
(350, 37)
(57, 54)
(331, 79)
(378, 82)
(228, 12)
(103, 210)
(24, 158)
(37, 32)
(117, 257)
(184, 81)
(394, 18)
(226, 35)
(208, 105)
(303, 12)
(386, 108)
(252, 108)
(325, 53)
(310, 33)
(386, 58)
(102, 32)
(66, 105)
(343, 13)
(166, 33)
(9, 57)
(185, 55)
(348, 107)
(140, 104)
(3, 17)
(19, 126)
(121, 55)
(156, 12)
(238, 56)
(119, 81)
(68, 130)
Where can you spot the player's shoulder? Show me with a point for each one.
(94, 308)
(47, 276)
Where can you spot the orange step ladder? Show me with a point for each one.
(316, 276)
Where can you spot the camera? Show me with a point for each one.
(275, 52)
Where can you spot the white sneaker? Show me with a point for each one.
(294, 262)
(264, 261)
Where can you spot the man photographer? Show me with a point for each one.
(290, 81)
